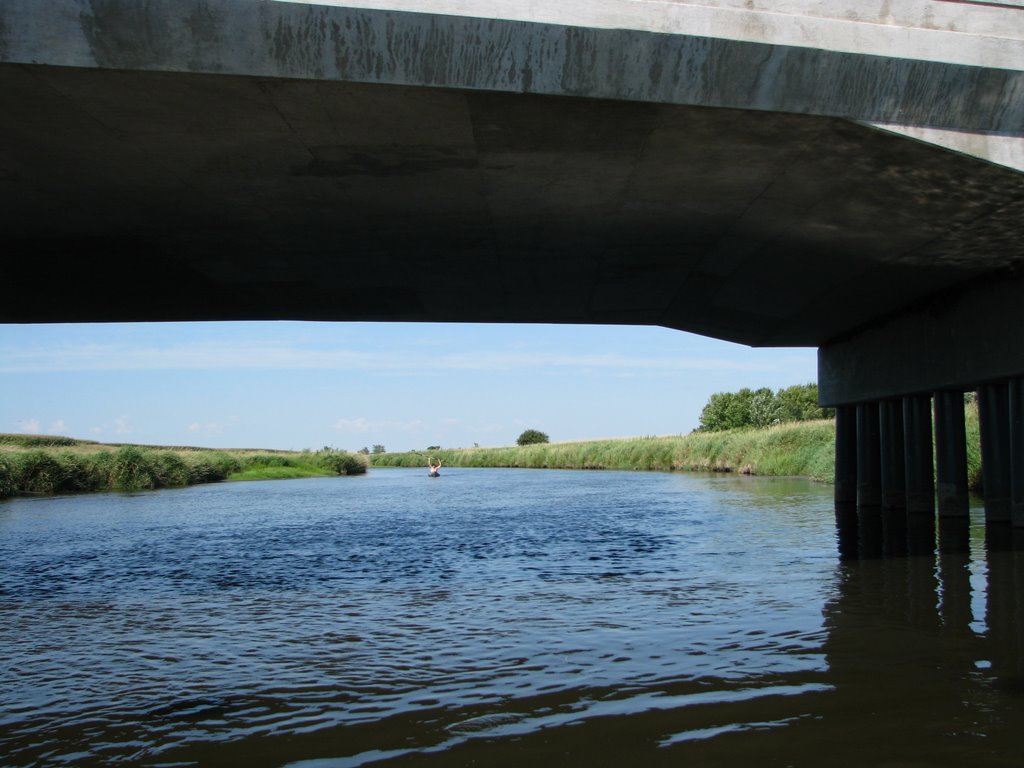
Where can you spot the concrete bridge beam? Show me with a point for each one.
(944, 70)
(959, 338)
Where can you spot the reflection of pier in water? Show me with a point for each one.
(926, 633)
(931, 641)
(942, 587)
(923, 655)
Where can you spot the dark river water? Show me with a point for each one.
(496, 618)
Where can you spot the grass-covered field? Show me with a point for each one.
(796, 448)
(35, 465)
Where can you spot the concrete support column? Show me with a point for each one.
(869, 488)
(918, 464)
(846, 481)
(869, 461)
(950, 454)
(846, 456)
(994, 419)
(893, 465)
(1016, 416)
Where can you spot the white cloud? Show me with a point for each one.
(30, 426)
(57, 427)
(362, 425)
(218, 355)
(210, 428)
(122, 426)
(352, 425)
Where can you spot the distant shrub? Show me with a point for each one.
(37, 472)
(80, 472)
(226, 463)
(171, 471)
(38, 441)
(531, 437)
(343, 463)
(202, 469)
(7, 483)
(132, 469)
(266, 460)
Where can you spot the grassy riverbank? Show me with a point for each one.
(804, 448)
(796, 448)
(35, 465)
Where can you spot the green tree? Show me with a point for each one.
(765, 410)
(531, 437)
(715, 415)
(761, 408)
(727, 410)
(800, 403)
(378, 448)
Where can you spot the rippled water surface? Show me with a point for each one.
(494, 617)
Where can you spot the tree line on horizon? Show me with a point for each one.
(759, 408)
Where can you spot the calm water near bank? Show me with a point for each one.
(495, 617)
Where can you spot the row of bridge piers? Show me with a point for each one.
(901, 460)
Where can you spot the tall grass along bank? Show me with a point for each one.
(804, 448)
(36, 466)
(791, 449)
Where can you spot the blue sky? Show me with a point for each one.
(292, 385)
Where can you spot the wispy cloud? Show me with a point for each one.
(362, 425)
(29, 426)
(216, 355)
(210, 428)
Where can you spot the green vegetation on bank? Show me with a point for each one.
(532, 437)
(787, 449)
(804, 448)
(34, 465)
(762, 408)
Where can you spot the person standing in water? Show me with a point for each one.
(433, 468)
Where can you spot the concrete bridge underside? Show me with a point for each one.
(218, 159)
(154, 196)
(249, 159)
(172, 196)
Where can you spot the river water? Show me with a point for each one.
(496, 618)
